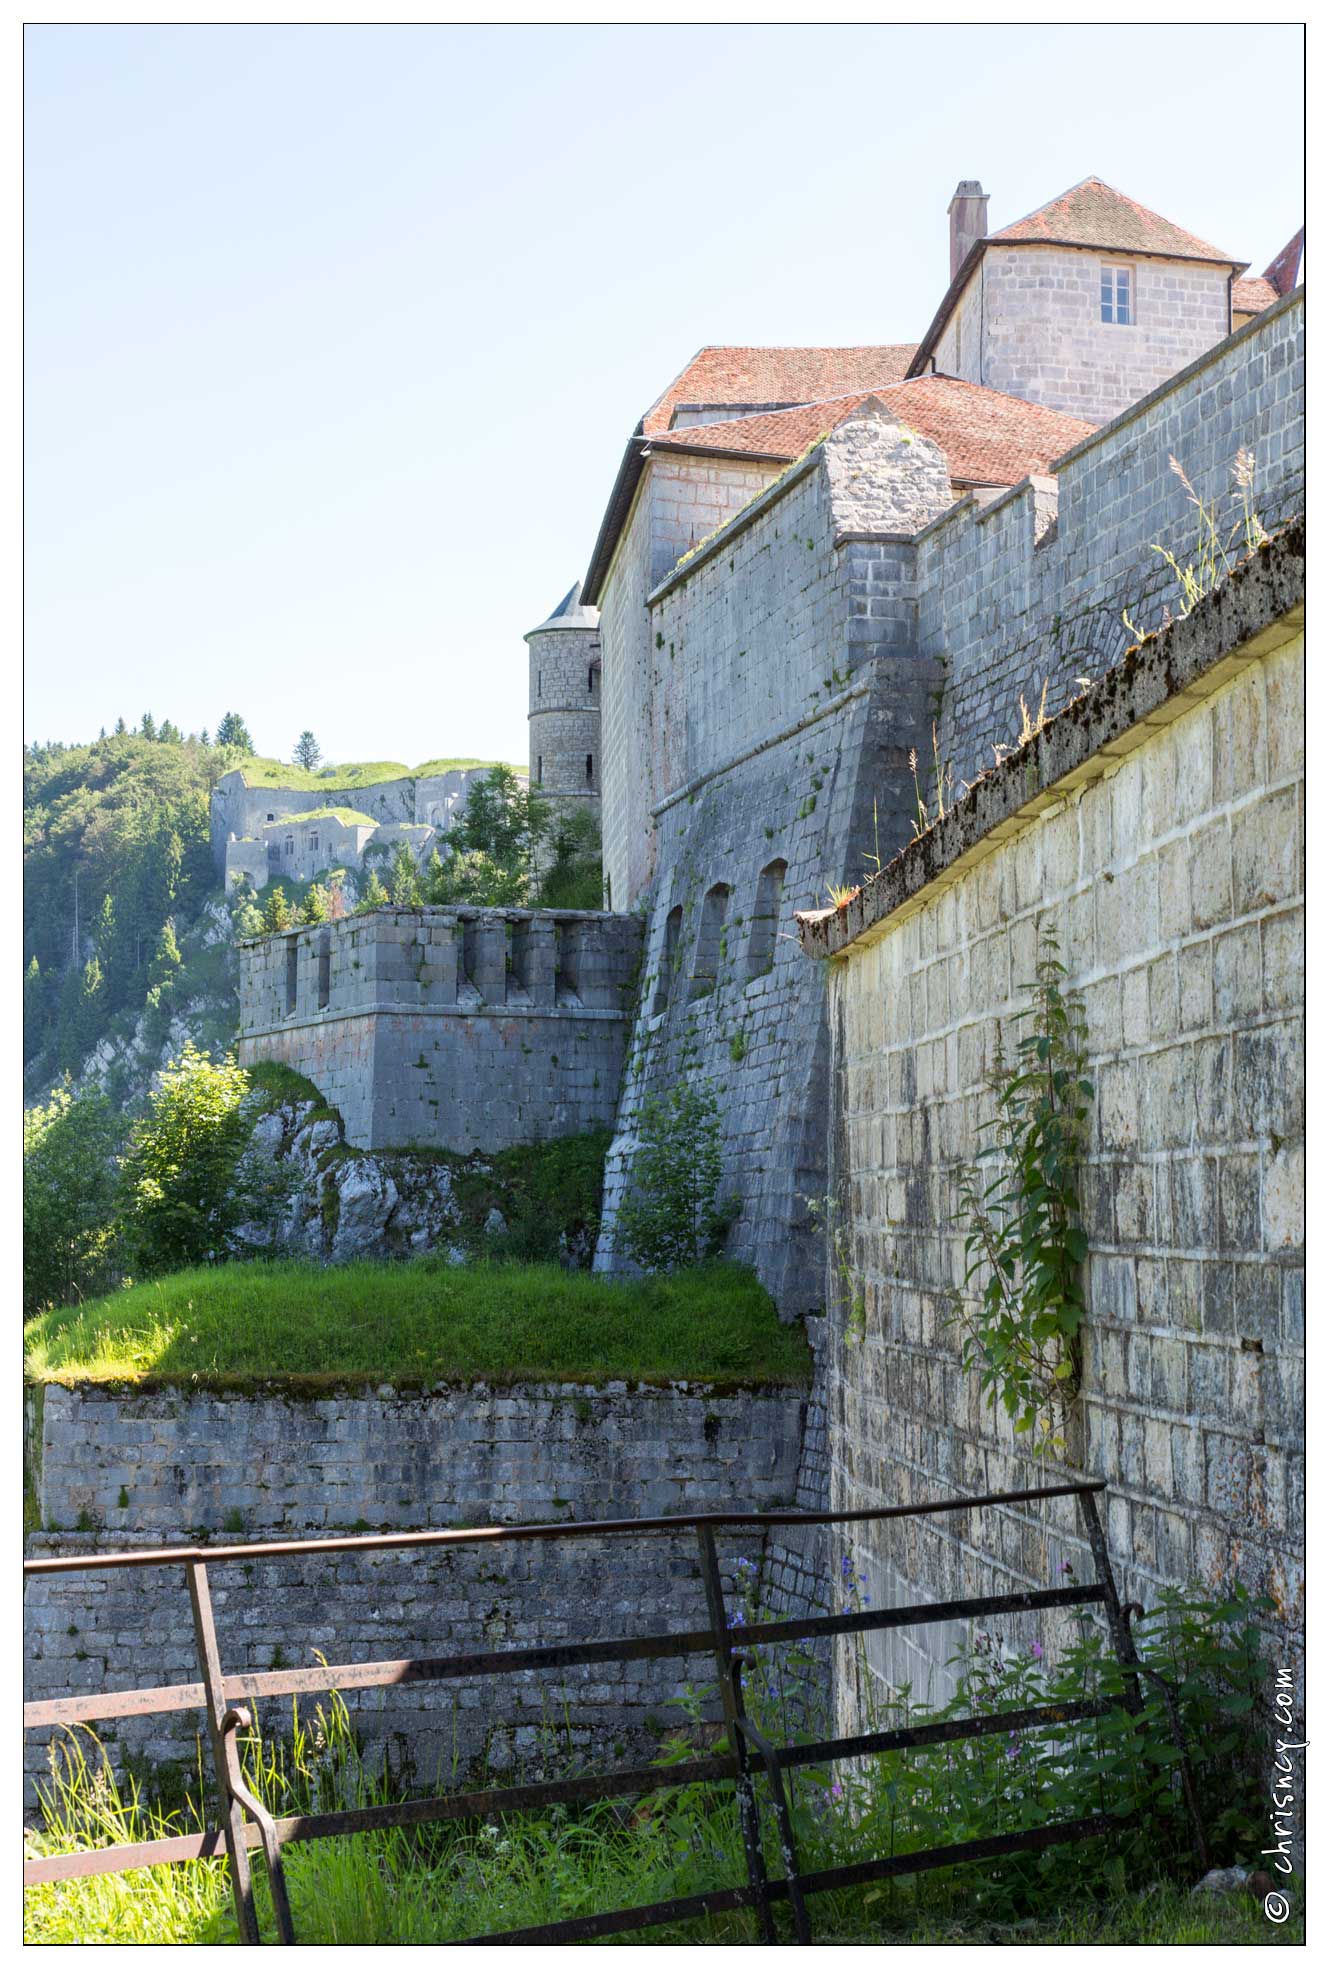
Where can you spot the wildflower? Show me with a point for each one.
(837, 1790)
(1036, 1650)
(1065, 1566)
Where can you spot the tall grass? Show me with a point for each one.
(436, 1884)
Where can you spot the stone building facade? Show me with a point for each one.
(242, 815)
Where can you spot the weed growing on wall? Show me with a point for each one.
(1213, 557)
(1024, 1239)
(672, 1215)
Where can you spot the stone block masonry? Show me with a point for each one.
(1156, 828)
(191, 1465)
(449, 1028)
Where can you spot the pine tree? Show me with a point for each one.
(233, 731)
(148, 728)
(404, 879)
(167, 962)
(373, 895)
(203, 738)
(316, 904)
(307, 751)
(34, 1008)
(277, 912)
(168, 734)
(119, 727)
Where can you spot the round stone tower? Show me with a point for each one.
(565, 706)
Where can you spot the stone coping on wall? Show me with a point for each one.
(435, 912)
(1255, 610)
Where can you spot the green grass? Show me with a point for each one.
(345, 816)
(441, 1883)
(374, 772)
(419, 1322)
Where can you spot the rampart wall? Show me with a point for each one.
(1156, 829)
(192, 1466)
(449, 1027)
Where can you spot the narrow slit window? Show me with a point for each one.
(590, 768)
(539, 768)
(324, 971)
(292, 974)
(1115, 296)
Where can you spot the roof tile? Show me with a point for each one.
(1094, 214)
(988, 438)
(723, 375)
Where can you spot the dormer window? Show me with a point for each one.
(1114, 294)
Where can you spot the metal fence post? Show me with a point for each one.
(1118, 1626)
(225, 1757)
(731, 1695)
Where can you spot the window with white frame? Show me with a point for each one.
(1115, 294)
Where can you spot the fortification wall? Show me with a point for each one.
(1030, 586)
(449, 1028)
(788, 701)
(1157, 830)
(430, 800)
(194, 1465)
(679, 501)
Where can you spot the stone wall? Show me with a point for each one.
(1029, 587)
(449, 1027)
(429, 800)
(201, 1465)
(1156, 829)
(679, 501)
(1029, 323)
(787, 701)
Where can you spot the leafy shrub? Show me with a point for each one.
(671, 1215)
(70, 1222)
(180, 1187)
(1025, 1239)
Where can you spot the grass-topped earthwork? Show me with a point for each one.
(374, 772)
(420, 1322)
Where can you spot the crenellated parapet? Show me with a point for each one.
(447, 1026)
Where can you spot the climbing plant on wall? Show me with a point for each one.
(1024, 1241)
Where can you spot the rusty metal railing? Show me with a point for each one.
(244, 1823)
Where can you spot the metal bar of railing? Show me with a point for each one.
(219, 1693)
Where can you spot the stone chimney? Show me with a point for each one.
(969, 220)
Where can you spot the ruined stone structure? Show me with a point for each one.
(465, 1028)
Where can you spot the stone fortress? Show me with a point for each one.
(831, 590)
(266, 833)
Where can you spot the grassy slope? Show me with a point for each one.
(374, 772)
(421, 1322)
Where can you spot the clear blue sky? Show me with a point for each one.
(334, 335)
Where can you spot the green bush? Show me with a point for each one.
(70, 1218)
(180, 1176)
(671, 1215)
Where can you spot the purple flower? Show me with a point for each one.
(1065, 1566)
(1036, 1651)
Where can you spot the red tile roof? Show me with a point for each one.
(720, 375)
(1094, 214)
(1252, 296)
(988, 438)
(1282, 271)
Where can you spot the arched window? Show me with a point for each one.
(766, 919)
(710, 939)
(673, 935)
